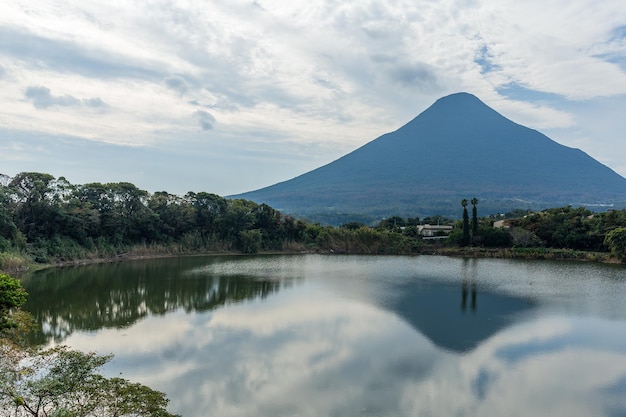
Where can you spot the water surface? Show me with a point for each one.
(318, 335)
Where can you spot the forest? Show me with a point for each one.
(48, 220)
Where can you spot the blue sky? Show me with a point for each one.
(228, 97)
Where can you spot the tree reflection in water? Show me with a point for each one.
(468, 264)
(64, 300)
(357, 335)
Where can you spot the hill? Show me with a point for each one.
(457, 148)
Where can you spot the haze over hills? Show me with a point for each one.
(457, 148)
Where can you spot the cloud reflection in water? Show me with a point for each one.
(316, 349)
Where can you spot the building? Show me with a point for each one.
(434, 231)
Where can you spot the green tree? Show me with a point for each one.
(176, 216)
(393, 223)
(269, 223)
(250, 241)
(616, 241)
(466, 229)
(59, 381)
(8, 230)
(240, 215)
(209, 209)
(64, 382)
(494, 237)
(12, 296)
(32, 197)
(474, 202)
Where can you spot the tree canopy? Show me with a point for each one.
(48, 219)
(64, 382)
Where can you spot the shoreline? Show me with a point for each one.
(460, 252)
(34, 267)
(530, 254)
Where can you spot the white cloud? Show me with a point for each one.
(551, 46)
(330, 354)
(334, 75)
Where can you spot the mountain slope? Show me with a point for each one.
(457, 148)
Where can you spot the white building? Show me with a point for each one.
(434, 231)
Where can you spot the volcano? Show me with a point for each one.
(457, 148)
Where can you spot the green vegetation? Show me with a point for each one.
(12, 296)
(60, 381)
(616, 241)
(474, 202)
(556, 233)
(47, 220)
(466, 230)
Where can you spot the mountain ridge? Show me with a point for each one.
(457, 148)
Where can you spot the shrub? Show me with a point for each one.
(616, 241)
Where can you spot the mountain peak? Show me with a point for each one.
(461, 99)
(461, 95)
(457, 148)
(458, 107)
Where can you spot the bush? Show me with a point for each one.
(250, 241)
(616, 241)
(495, 238)
(11, 262)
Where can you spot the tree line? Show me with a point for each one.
(47, 213)
(575, 228)
(49, 219)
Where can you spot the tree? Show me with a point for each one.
(250, 240)
(392, 223)
(176, 216)
(474, 202)
(209, 209)
(8, 230)
(12, 296)
(466, 231)
(616, 241)
(64, 382)
(32, 194)
(60, 381)
(523, 238)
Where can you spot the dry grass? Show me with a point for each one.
(13, 262)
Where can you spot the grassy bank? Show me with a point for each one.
(15, 263)
(335, 241)
(523, 253)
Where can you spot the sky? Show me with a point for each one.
(231, 96)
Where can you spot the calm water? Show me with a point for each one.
(351, 336)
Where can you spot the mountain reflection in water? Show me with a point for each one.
(351, 336)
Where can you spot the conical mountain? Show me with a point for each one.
(457, 148)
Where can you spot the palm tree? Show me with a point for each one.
(466, 233)
(474, 217)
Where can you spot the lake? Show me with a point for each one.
(321, 335)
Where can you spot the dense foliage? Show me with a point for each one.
(47, 219)
(50, 219)
(616, 241)
(12, 296)
(573, 228)
(576, 229)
